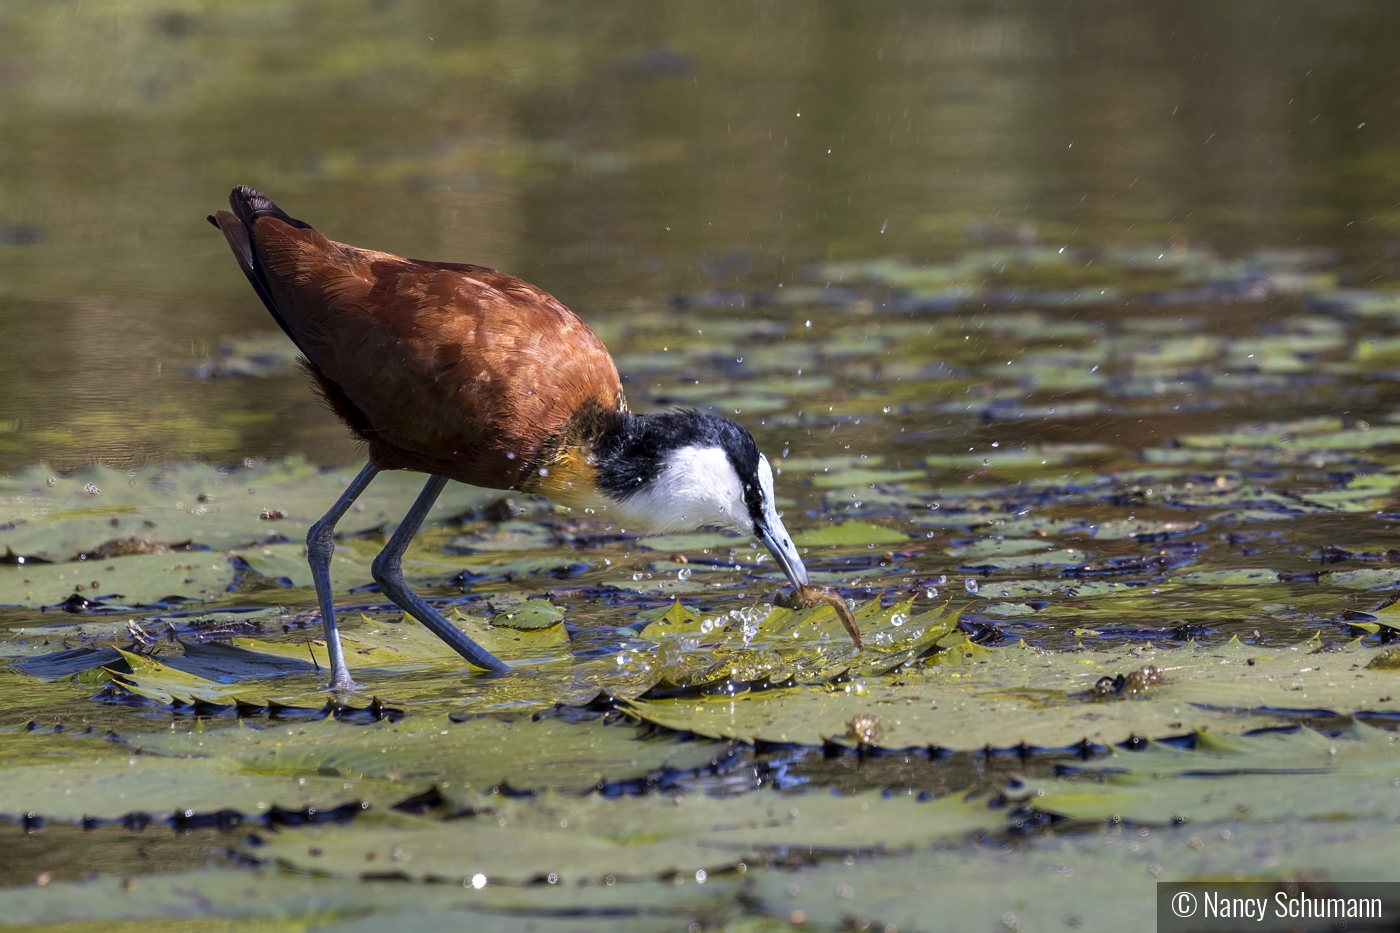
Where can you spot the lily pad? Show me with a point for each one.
(81, 511)
(1273, 776)
(530, 615)
(479, 752)
(693, 543)
(849, 533)
(584, 839)
(970, 697)
(163, 900)
(1144, 531)
(138, 580)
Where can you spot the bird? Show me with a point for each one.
(469, 374)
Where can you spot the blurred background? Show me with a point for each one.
(619, 154)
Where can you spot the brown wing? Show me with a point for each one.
(453, 369)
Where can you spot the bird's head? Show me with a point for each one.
(684, 470)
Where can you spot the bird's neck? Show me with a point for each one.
(647, 473)
(573, 467)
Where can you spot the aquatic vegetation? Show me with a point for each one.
(1114, 509)
(1121, 616)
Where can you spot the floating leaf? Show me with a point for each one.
(849, 533)
(1268, 777)
(479, 753)
(583, 839)
(1145, 531)
(693, 543)
(668, 620)
(130, 581)
(506, 536)
(999, 546)
(162, 900)
(1335, 440)
(971, 697)
(530, 615)
(175, 503)
(1254, 577)
(864, 478)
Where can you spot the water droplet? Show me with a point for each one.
(931, 592)
(897, 619)
(749, 629)
(971, 586)
(887, 409)
(683, 574)
(478, 881)
(942, 579)
(637, 576)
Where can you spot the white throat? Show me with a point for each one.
(696, 486)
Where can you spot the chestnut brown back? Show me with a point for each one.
(443, 368)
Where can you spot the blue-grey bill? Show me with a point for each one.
(779, 543)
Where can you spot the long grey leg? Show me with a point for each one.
(388, 573)
(320, 546)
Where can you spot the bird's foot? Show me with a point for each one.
(341, 683)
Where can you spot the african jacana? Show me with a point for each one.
(469, 374)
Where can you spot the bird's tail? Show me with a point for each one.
(249, 205)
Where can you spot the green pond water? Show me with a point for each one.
(1072, 331)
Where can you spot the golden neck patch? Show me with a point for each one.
(568, 477)
(566, 470)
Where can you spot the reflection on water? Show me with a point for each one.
(620, 154)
